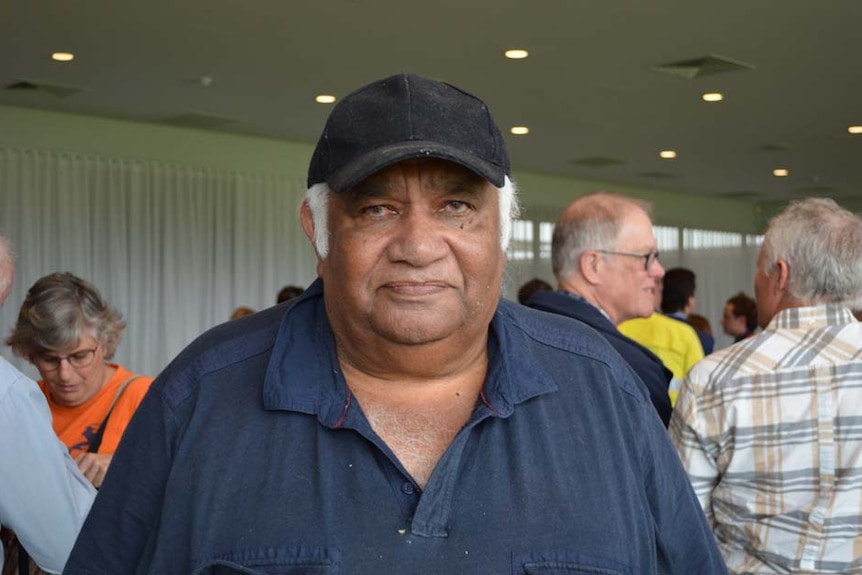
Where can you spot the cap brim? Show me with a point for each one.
(346, 177)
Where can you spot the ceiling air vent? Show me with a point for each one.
(53, 89)
(199, 121)
(702, 67)
(597, 162)
(22, 86)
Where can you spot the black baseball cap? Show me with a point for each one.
(402, 117)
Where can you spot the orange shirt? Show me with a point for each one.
(75, 426)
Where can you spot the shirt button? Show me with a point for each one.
(407, 488)
(817, 517)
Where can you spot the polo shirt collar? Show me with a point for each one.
(304, 375)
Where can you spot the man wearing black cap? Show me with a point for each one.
(399, 417)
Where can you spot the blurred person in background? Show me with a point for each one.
(241, 311)
(674, 342)
(68, 331)
(739, 319)
(287, 293)
(605, 258)
(526, 291)
(700, 322)
(678, 301)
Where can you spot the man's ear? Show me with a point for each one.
(307, 222)
(589, 263)
(781, 274)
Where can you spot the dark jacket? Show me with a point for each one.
(655, 376)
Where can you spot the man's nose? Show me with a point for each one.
(418, 239)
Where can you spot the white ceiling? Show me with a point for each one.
(586, 91)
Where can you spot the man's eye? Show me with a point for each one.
(378, 210)
(457, 206)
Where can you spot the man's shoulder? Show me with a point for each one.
(220, 347)
(745, 358)
(565, 332)
(564, 340)
(10, 376)
(20, 398)
(563, 304)
(781, 348)
(639, 357)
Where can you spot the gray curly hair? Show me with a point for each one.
(59, 310)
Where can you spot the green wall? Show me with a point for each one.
(104, 137)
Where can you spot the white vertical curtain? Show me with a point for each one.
(174, 248)
(177, 248)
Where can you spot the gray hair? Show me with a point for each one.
(58, 311)
(822, 244)
(592, 222)
(317, 198)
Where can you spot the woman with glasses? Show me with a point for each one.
(68, 332)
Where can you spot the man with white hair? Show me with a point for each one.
(44, 497)
(399, 416)
(605, 258)
(769, 428)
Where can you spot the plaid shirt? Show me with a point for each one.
(770, 433)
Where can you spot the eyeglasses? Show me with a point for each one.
(79, 359)
(649, 258)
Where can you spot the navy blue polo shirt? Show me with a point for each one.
(250, 455)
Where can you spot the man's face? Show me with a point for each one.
(628, 288)
(415, 254)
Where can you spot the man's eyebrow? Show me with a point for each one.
(368, 188)
(473, 186)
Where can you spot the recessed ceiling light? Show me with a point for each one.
(855, 129)
(324, 99)
(780, 172)
(516, 54)
(63, 56)
(520, 130)
(667, 154)
(713, 97)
